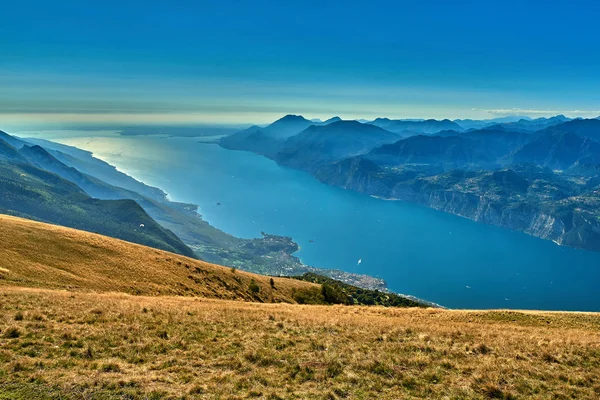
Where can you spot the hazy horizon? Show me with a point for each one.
(29, 125)
(132, 62)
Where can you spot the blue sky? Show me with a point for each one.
(253, 61)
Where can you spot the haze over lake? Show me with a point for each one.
(439, 257)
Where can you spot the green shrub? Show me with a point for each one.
(332, 294)
(308, 296)
(337, 292)
(253, 287)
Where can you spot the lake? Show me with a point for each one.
(439, 257)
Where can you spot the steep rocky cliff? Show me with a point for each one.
(573, 220)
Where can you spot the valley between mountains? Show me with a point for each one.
(64, 185)
(94, 312)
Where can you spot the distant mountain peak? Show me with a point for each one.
(559, 117)
(37, 148)
(429, 126)
(8, 152)
(13, 141)
(292, 117)
(332, 120)
(348, 125)
(323, 143)
(340, 122)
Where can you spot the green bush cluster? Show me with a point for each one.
(337, 292)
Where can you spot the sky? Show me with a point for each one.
(237, 61)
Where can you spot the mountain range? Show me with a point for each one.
(411, 127)
(268, 140)
(321, 144)
(540, 176)
(32, 191)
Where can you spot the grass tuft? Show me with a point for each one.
(12, 333)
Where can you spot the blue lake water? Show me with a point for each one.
(429, 254)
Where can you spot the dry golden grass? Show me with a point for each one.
(88, 342)
(34, 254)
(88, 345)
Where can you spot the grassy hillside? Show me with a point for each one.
(65, 345)
(65, 333)
(46, 256)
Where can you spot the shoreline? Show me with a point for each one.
(237, 254)
(361, 280)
